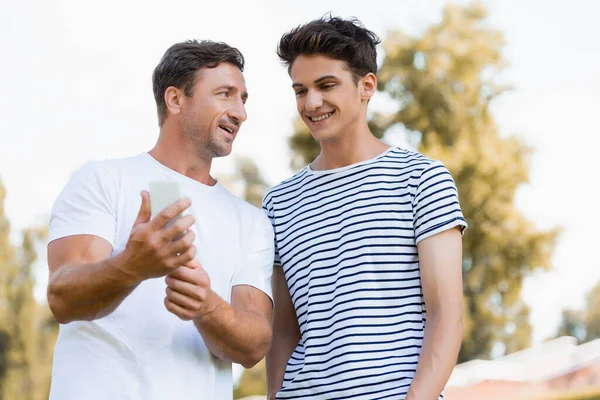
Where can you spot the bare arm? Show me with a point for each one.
(440, 258)
(86, 283)
(286, 333)
(240, 332)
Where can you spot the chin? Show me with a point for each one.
(223, 150)
(324, 135)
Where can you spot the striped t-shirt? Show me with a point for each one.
(347, 242)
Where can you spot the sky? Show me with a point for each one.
(76, 85)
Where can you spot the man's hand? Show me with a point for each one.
(239, 332)
(159, 246)
(86, 283)
(189, 293)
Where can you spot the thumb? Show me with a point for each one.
(144, 214)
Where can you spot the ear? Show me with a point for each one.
(368, 86)
(174, 98)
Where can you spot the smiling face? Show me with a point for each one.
(211, 117)
(328, 99)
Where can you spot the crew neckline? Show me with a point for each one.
(350, 166)
(180, 177)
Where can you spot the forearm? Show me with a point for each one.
(88, 291)
(276, 360)
(275, 363)
(239, 336)
(441, 344)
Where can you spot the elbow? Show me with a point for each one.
(256, 354)
(456, 324)
(250, 363)
(57, 310)
(252, 358)
(56, 305)
(449, 320)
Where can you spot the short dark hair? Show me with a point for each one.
(342, 39)
(180, 63)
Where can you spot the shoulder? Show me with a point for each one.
(290, 184)
(109, 167)
(249, 214)
(416, 164)
(408, 159)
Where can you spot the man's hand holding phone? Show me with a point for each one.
(159, 245)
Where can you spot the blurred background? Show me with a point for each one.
(505, 93)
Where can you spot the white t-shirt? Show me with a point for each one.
(141, 351)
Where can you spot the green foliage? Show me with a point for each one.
(255, 186)
(444, 82)
(583, 324)
(27, 330)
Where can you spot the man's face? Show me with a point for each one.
(212, 116)
(327, 98)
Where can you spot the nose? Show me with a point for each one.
(313, 100)
(238, 112)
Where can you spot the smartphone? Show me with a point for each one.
(163, 194)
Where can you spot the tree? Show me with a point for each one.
(27, 331)
(592, 314)
(443, 82)
(572, 324)
(583, 324)
(254, 184)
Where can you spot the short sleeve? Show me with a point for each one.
(86, 205)
(268, 210)
(257, 266)
(435, 204)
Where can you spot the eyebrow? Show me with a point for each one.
(233, 89)
(317, 80)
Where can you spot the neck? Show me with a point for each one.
(175, 152)
(349, 148)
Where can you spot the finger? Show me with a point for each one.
(193, 264)
(187, 275)
(184, 287)
(182, 300)
(178, 227)
(185, 257)
(170, 212)
(144, 213)
(179, 311)
(182, 244)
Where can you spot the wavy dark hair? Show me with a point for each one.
(341, 39)
(180, 63)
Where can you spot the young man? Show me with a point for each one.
(151, 309)
(368, 241)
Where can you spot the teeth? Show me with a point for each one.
(227, 129)
(321, 118)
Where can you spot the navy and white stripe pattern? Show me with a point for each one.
(346, 240)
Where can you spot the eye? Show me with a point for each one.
(224, 94)
(300, 92)
(327, 86)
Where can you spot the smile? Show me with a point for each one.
(321, 117)
(225, 128)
